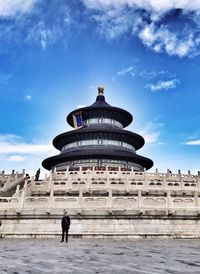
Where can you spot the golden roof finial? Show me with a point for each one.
(100, 90)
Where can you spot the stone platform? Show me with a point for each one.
(99, 256)
(102, 202)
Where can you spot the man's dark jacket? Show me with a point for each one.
(65, 222)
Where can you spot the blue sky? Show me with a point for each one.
(54, 55)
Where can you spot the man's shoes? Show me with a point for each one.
(61, 241)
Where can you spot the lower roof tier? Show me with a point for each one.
(123, 155)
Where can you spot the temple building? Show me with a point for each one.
(99, 139)
(102, 183)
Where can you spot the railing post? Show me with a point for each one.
(110, 198)
(50, 182)
(196, 199)
(140, 202)
(80, 201)
(23, 197)
(145, 181)
(50, 200)
(169, 203)
(17, 191)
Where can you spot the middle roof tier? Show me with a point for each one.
(90, 133)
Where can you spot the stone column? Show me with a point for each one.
(109, 198)
(164, 182)
(32, 183)
(51, 192)
(66, 173)
(80, 201)
(17, 191)
(140, 202)
(3, 175)
(45, 177)
(50, 182)
(23, 197)
(50, 199)
(198, 181)
(196, 198)
(169, 203)
(145, 181)
(157, 174)
(181, 182)
(168, 173)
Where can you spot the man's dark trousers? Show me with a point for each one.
(64, 230)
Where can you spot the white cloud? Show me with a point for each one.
(147, 35)
(152, 21)
(17, 154)
(10, 138)
(160, 38)
(151, 132)
(194, 136)
(193, 142)
(153, 74)
(4, 78)
(126, 71)
(80, 106)
(28, 97)
(24, 148)
(172, 26)
(146, 19)
(11, 144)
(151, 137)
(114, 21)
(13, 7)
(32, 21)
(15, 158)
(44, 34)
(155, 5)
(163, 85)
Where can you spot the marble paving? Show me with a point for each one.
(99, 256)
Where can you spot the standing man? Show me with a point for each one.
(37, 175)
(65, 224)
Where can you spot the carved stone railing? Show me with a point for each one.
(106, 189)
(9, 182)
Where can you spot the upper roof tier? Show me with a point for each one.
(101, 109)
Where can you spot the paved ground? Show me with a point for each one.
(99, 256)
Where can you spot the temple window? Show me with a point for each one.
(102, 121)
(104, 142)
